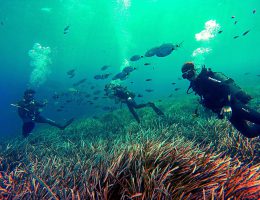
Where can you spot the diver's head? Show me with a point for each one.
(109, 89)
(113, 85)
(29, 95)
(188, 71)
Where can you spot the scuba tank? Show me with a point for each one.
(235, 90)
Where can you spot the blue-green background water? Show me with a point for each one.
(107, 32)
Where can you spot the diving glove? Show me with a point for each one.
(226, 112)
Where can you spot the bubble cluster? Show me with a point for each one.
(199, 55)
(126, 3)
(210, 31)
(40, 61)
(125, 63)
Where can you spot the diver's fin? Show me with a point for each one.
(67, 123)
(157, 110)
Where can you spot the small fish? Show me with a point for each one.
(104, 76)
(146, 64)
(233, 17)
(136, 58)
(87, 95)
(236, 37)
(176, 89)
(235, 22)
(68, 101)
(171, 95)
(122, 76)
(71, 71)
(92, 87)
(149, 90)
(79, 82)
(97, 77)
(128, 69)
(95, 98)
(220, 32)
(254, 11)
(246, 32)
(159, 100)
(132, 82)
(247, 73)
(165, 49)
(105, 67)
(66, 29)
(139, 95)
(59, 110)
(2, 23)
(173, 83)
(258, 75)
(151, 52)
(149, 79)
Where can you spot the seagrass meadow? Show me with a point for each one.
(69, 53)
(111, 157)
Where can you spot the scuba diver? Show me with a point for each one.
(120, 93)
(29, 111)
(221, 95)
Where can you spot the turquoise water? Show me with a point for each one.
(107, 32)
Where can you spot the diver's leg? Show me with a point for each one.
(137, 106)
(131, 109)
(142, 105)
(67, 123)
(248, 113)
(241, 125)
(255, 130)
(41, 119)
(27, 128)
(156, 109)
(245, 129)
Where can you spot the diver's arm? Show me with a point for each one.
(21, 109)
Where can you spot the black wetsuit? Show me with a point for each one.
(128, 98)
(214, 95)
(29, 112)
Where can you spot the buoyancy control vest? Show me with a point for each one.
(235, 90)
